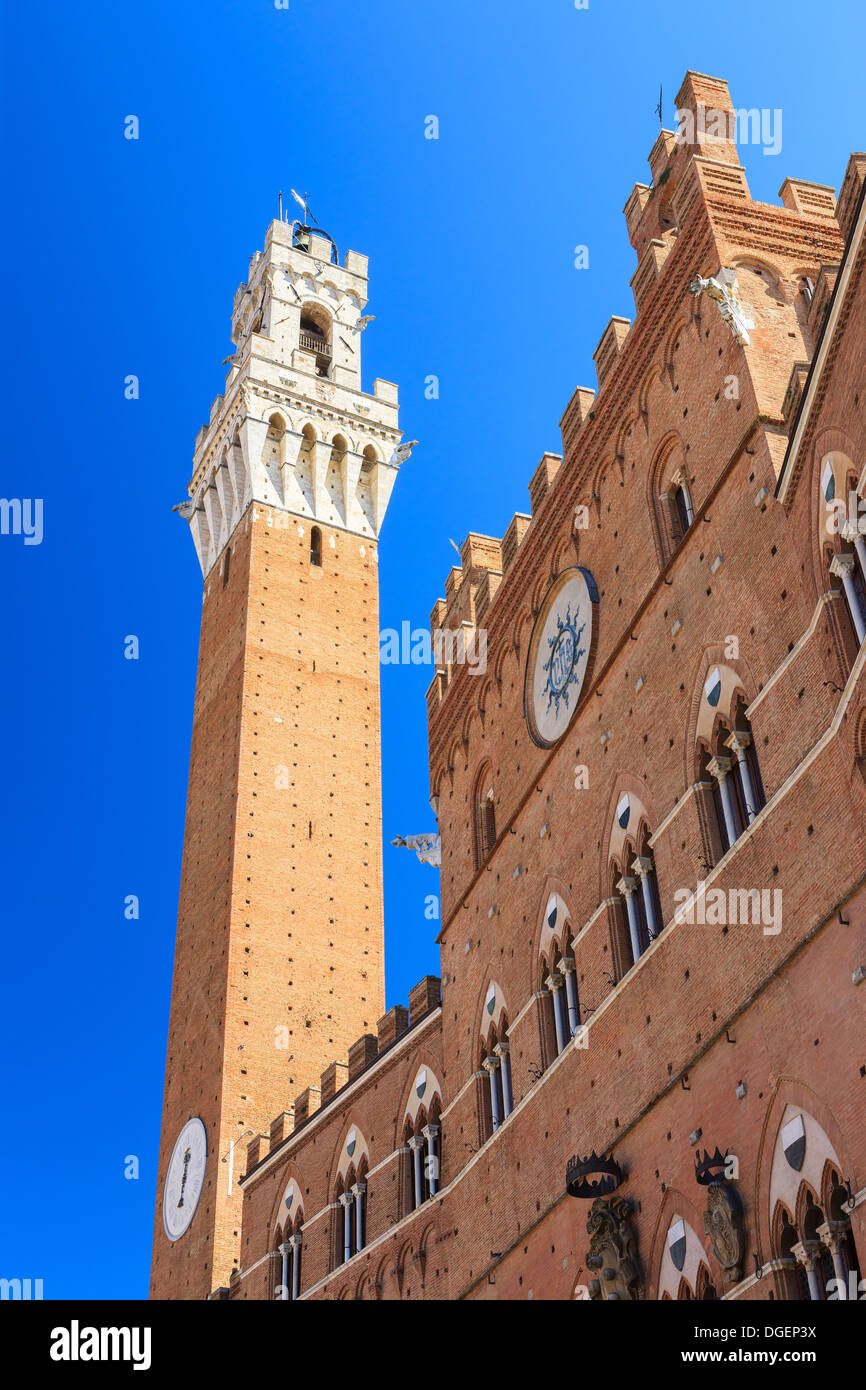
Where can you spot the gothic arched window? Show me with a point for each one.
(731, 767)
(485, 816)
(498, 1101)
(423, 1139)
(350, 1200)
(289, 1249)
(640, 910)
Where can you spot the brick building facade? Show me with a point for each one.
(651, 809)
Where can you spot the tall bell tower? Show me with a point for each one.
(279, 953)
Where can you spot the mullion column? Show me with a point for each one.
(503, 1054)
(554, 984)
(295, 1243)
(359, 1192)
(832, 1234)
(808, 1253)
(843, 567)
(738, 743)
(346, 1204)
(644, 867)
(851, 532)
(416, 1144)
(628, 887)
(491, 1066)
(432, 1163)
(719, 768)
(569, 970)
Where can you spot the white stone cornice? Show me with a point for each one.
(350, 472)
(382, 479)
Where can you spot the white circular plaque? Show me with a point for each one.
(184, 1179)
(559, 654)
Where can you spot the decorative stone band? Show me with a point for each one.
(313, 479)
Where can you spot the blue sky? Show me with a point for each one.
(123, 257)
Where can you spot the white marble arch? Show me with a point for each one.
(291, 1203)
(425, 1088)
(353, 1151)
(785, 1181)
(669, 1276)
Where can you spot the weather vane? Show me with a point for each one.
(301, 200)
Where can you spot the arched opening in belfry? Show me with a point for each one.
(315, 337)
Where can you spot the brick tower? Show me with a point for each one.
(279, 952)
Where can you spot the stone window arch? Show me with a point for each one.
(811, 1231)
(422, 1136)
(636, 887)
(553, 1017)
(618, 919)
(289, 1246)
(728, 771)
(558, 982)
(497, 1096)
(350, 1195)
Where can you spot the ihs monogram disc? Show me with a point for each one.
(559, 655)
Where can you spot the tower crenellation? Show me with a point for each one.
(694, 222)
(365, 1053)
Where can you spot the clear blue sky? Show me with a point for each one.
(122, 257)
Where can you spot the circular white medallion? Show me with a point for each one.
(559, 654)
(184, 1179)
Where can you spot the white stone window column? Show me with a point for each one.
(346, 1204)
(680, 481)
(832, 1234)
(284, 1273)
(628, 887)
(808, 1252)
(645, 869)
(554, 984)
(491, 1066)
(851, 532)
(738, 743)
(295, 1243)
(213, 512)
(416, 1144)
(359, 1192)
(569, 971)
(502, 1052)
(843, 567)
(719, 768)
(432, 1162)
